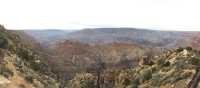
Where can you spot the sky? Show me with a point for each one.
(181, 15)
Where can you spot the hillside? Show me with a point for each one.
(70, 56)
(120, 48)
(71, 63)
(21, 66)
(173, 69)
(144, 37)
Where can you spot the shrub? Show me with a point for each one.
(83, 80)
(23, 53)
(3, 43)
(123, 79)
(167, 63)
(163, 62)
(189, 48)
(186, 74)
(176, 78)
(145, 74)
(1, 55)
(180, 49)
(135, 83)
(195, 61)
(29, 79)
(160, 61)
(180, 64)
(156, 79)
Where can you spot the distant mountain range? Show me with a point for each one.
(144, 37)
(44, 36)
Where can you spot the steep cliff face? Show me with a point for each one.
(21, 66)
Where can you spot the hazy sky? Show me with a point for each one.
(76, 14)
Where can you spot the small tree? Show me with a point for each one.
(98, 66)
(125, 62)
(82, 80)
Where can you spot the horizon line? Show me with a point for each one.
(77, 29)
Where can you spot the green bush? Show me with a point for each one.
(180, 49)
(189, 48)
(160, 61)
(145, 74)
(29, 79)
(176, 78)
(135, 83)
(84, 80)
(156, 80)
(1, 54)
(3, 43)
(180, 64)
(195, 61)
(23, 53)
(166, 64)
